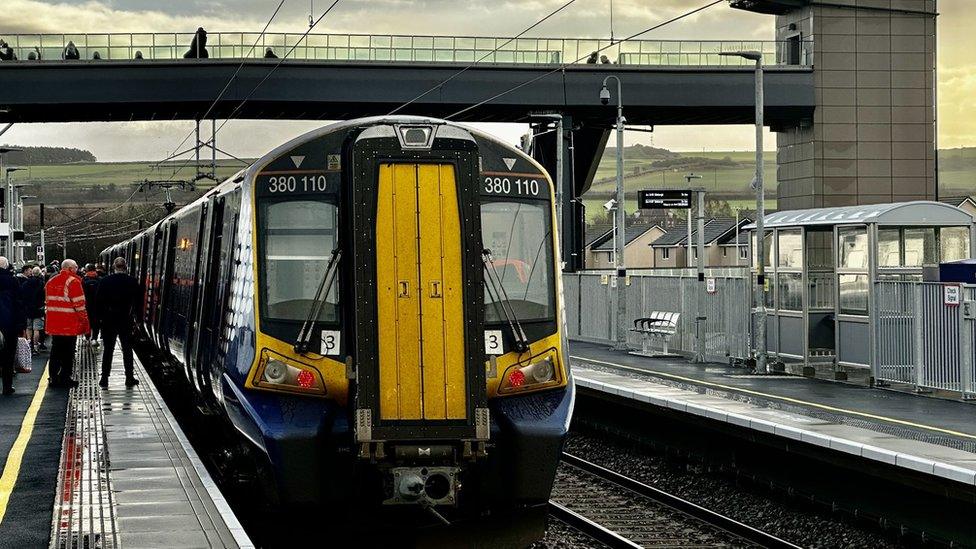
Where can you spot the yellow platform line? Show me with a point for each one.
(11, 469)
(782, 398)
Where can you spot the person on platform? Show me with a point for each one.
(66, 319)
(198, 46)
(269, 54)
(90, 285)
(592, 59)
(32, 295)
(118, 301)
(12, 322)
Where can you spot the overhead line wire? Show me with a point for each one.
(483, 57)
(230, 81)
(567, 64)
(266, 77)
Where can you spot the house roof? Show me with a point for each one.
(920, 212)
(596, 232)
(605, 242)
(957, 200)
(717, 229)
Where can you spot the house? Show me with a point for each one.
(964, 203)
(637, 251)
(721, 247)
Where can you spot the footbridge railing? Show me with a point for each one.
(408, 48)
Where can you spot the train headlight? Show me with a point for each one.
(280, 373)
(275, 371)
(538, 372)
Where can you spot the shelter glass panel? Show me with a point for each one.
(790, 291)
(820, 250)
(853, 290)
(954, 243)
(920, 247)
(853, 244)
(889, 248)
(790, 249)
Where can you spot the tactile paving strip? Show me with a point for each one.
(84, 514)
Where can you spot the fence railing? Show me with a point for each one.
(405, 48)
(726, 311)
(922, 338)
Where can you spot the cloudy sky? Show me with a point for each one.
(585, 18)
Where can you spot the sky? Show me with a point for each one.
(584, 18)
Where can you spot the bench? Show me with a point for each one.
(659, 325)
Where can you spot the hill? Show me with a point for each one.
(34, 156)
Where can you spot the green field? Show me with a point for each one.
(120, 174)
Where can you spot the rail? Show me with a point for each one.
(410, 49)
(730, 525)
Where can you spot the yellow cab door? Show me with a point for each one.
(419, 294)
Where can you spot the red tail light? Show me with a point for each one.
(305, 379)
(516, 378)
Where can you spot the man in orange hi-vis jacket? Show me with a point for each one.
(66, 319)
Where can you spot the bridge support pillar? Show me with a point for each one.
(873, 135)
(582, 149)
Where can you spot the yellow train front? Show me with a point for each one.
(376, 308)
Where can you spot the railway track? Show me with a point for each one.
(621, 512)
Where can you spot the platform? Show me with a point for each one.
(916, 433)
(116, 465)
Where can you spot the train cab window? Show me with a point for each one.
(298, 239)
(519, 235)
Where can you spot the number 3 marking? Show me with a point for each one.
(493, 342)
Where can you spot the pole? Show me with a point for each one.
(761, 355)
(688, 255)
(700, 302)
(43, 249)
(737, 255)
(620, 215)
(19, 222)
(560, 180)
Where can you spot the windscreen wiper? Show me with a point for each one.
(500, 299)
(328, 280)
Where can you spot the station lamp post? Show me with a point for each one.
(620, 343)
(8, 211)
(760, 296)
(19, 252)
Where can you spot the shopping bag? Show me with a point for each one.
(22, 361)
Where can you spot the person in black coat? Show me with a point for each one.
(13, 319)
(117, 299)
(90, 285)
(198, 46)
(32, 295)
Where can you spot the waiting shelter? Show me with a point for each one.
(821, 265)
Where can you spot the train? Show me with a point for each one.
(375, 307)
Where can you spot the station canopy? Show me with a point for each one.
(921, 213)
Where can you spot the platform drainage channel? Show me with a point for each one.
(84, 515)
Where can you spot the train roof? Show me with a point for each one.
(254, 167)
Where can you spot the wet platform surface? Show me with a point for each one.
(108, 468)
(927, 435)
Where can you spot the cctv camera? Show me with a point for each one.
(610, 204)
(605, 96)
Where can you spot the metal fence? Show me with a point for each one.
(726, 311)
(405, 48)
(922, 337)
